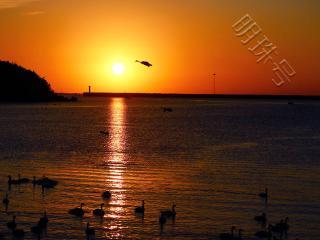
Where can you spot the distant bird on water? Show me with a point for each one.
(146, 63)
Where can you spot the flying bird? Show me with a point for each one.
(146, 63)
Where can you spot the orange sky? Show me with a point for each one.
(74, 43)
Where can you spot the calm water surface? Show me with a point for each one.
(210, 157)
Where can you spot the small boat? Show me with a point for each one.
(167, 109)
(104, 132)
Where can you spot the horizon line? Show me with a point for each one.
(197, 95)
(191, 94)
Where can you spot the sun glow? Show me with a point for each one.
(118, 68)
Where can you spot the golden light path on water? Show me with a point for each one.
(116, 161)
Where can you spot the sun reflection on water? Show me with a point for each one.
(116, 160)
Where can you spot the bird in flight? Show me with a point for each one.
(147, 64)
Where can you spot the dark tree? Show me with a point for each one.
(21, 85)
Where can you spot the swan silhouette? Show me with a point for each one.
(22, 180)
(169, 213)
(264, 194)
(41, 225)
(140, 209)
(48, 183)
(99, 211)
(77, 211)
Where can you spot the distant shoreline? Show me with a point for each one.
(203, 96)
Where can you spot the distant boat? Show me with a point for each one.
(166, 109)
(104, 132)
(290, 103)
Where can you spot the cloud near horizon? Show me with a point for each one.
(14, 3)
(35, 13)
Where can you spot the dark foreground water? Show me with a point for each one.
(211, 158)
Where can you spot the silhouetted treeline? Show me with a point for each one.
(21, 85)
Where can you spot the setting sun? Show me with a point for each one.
(118, 68)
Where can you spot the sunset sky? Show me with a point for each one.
(77, 43)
